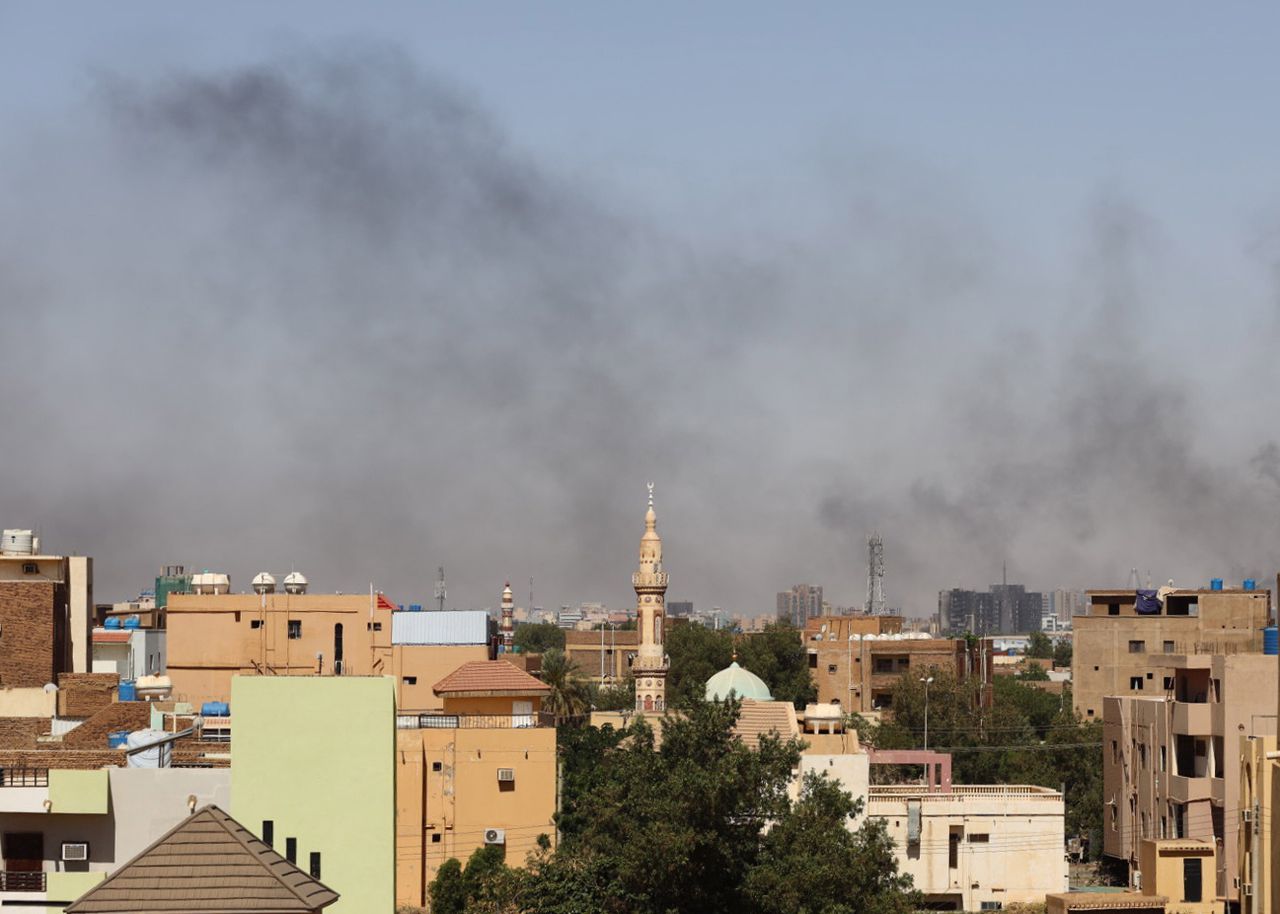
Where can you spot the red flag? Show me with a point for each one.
(384, 603)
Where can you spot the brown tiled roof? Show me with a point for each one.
(485, 677)
(761, 717)
(1077, 901)
(208, 863)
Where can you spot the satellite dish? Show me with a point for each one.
(50, 688)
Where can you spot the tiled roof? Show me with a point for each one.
(489, 676)
(761, 717)
(107, 636)
(1105, 901)
(208, 863)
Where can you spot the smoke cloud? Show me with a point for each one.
(324, 313)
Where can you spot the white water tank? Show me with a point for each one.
(156, 756)
(295, 582)
(263, 582)
(18, 542)
(210, 582)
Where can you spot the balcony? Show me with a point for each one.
(437, 720)
(24, 790)
(1192, 718)
(1185, 790)
(22, 881)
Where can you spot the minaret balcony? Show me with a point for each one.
(649, 579)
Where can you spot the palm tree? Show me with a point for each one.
(569, 690)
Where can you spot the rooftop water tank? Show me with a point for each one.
(153, 687)
(1215, 584)
(1250, 584)
(154, 757)
(112, 622)
(263, 582)
(415, 607)
(215, 709)
(133, 622)
(128, 691)
(210, 582)
(117, 739)
(1271, 640)
(18, 542)
(295, 582)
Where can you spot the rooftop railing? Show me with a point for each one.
(24, 777)
(438, 720)
(22, 881)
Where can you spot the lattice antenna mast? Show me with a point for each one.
(875, 575)
(441, 593)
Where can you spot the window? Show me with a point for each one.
(374, 626)
(291, 849)
(1168, 647)
(813, 661)
(1135, 683)
(295, 629)
(1113, 609)
(992, 905)
(1089, 712)
(1137, 647)
(1115, 819)
(255, 623)
(1168, 683)
(1142, 755)
(831, 668)
(436, 766)
(1151, 675)
(411, 680)
(30, 568)
(979, 838)
(268, 831)
(1115, 752)
(1164, 758)
(435, 838)
(953, 850)
(315, 864)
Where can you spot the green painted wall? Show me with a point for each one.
(316, 756)
(67, 887)
(78, 791)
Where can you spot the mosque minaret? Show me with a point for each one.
(650, 581)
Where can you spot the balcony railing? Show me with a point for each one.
(24, 777)
(21, 881)
(436, 720)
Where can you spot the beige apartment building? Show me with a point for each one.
(1258, 833)
(976, 847)
(1117, 648)
(606, 655)
(1180, 871)
(46, 615)
(481, 771)
(855, 661)
(1171, 764)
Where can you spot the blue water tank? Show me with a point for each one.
(1215, 584)
(128, 691)
(415, 607)
(133, 622)
(112, 622)
(118, 739)
(1250, 584)
(215, 709)
(1271, 640)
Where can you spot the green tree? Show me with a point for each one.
(620, 696)
(447, 892)
(1040, 646)
(812, 862)
(1062, 653)
(1033, 673)
(697, 653)
(778, 656)
(570, 696)
(538, 637)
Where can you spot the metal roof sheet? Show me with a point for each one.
(449, 627)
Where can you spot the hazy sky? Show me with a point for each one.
(366, 290)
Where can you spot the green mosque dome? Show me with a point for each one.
(743, 683)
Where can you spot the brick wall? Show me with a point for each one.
(21, 732)
(62, 758)
(123, 715)
(27, 632)
(85, 694)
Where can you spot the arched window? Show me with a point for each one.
(648, 702)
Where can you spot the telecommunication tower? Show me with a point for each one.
(875, 575)
(441, 593)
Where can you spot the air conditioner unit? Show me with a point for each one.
(1248, 814)
(495, 836)
(1246, 890)
(506, 774)
(74, 851)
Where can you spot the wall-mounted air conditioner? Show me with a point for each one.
(506, 774)
(75, 851)
(495, 836)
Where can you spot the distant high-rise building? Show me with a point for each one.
(1005, 609)
(799, 604)
(680, 608)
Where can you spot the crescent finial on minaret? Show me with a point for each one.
(650, 495)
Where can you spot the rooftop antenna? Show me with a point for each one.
(441, 593)
(531, 595)
(875, 575)
(1133, 579)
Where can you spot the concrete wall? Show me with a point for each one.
(316, 756)
(80, 612)
(1162, 868)
(147, 802)
(448, 794)
(27, 702)
(1010, 845)
(427, 664)
(861, 674)
(212, 638)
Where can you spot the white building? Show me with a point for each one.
(976, 848)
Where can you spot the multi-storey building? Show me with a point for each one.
(1128, 634)
(856, 661)
(480, 772)
(603, 656)
(976, 848)
(1171, 766)
(1258, 832)
(1004, 609)
(314, 772)
(800, 604)
(46, 613)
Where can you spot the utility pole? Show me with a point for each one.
(440, 591)
(926, 680)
